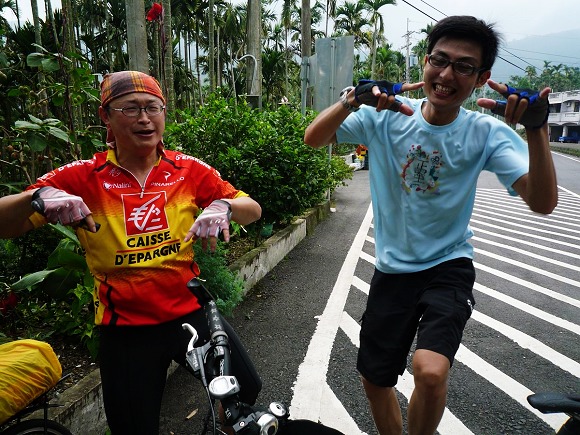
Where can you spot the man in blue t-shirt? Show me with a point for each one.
(425, 158)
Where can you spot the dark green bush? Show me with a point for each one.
(223, 284)
(261, 153)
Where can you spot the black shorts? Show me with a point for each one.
(435, 304)
(134, 362)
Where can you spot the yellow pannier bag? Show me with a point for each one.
(28, 368)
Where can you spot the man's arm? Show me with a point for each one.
(538, 188)
(322, 131)
(245, 210)
(14, 213)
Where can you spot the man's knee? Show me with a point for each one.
(430, 369)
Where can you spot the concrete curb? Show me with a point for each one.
(81, 407)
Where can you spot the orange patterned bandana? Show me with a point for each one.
(121, 83)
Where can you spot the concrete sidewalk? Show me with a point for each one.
(82, 405)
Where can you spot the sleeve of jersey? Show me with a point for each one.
(214, 187)
(508, 157)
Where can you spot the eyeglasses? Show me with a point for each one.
(134, 111)
(463, 68)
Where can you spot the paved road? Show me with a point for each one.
(300, 323)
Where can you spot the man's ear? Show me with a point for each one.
(483, 78)
(104, 115)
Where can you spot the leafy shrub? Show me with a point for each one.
(222, 283)
(261, 153)
(57, 299)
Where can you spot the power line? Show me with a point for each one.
(431, 6)
(426, 14)
(547, 54)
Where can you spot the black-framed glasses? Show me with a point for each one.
(463, 68)
(134, 111)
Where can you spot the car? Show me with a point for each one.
(568, 139)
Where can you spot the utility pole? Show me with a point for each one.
(407, 37)
(254, 70)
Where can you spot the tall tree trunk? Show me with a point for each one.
(197, 66)
(50, 19)
(187, 59)
(157, 62)
(306, 40)
(43, 107)
(108, 51)
(211, 47)
(136, 36)
(218, 61)
(17, 14)
(168, 59)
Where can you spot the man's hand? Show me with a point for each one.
(381, 94)
(215, 218)
(527, 107)
(61, 207)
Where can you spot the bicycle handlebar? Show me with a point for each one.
(213, 360)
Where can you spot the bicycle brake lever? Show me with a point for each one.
(194, 335)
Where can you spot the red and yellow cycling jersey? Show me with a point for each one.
(138, 259)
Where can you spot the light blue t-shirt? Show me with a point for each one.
(423, 179)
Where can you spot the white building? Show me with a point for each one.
(564, 118)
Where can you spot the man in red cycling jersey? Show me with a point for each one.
(138, 203)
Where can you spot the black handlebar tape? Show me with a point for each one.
(218, 336)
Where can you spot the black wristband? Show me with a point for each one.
(37, 203)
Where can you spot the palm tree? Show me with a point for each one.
(374, 6)
(350, 21)
(13, 6)
(389, 63)
(286, 19)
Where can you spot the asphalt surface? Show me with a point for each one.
(278, 318)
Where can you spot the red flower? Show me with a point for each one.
(8, 303)
(155, 12)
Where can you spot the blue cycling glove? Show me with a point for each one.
(537, 112)
(363, 92)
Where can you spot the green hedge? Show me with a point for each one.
(261, 153)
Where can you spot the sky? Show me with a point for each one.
(514, 19)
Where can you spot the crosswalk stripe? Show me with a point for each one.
(562, 323)
(528, 284)
(541, 272)
(505, 383)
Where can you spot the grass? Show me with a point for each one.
(563, 150)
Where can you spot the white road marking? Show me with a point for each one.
(311, 380)
(505, 383)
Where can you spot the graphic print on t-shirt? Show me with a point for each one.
(421, 171)
(144, 213)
